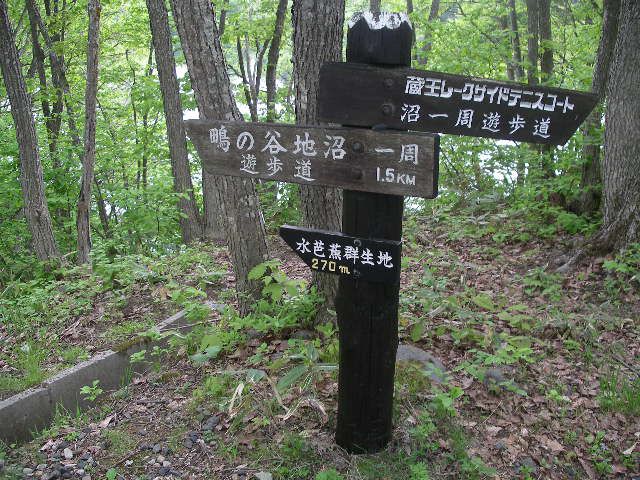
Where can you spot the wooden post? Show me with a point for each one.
(368, 312)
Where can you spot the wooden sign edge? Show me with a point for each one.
(395, 243)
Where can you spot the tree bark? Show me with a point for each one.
(591, 178)
(38, 59)
(547, 161)
(236, 197)
(515, 42)
(374, 6)
(58, 75)
(272, 60)
(246, 82)
(35, 203)
(544, 26)
(83, 222)
(532, 42)
(190, 223)
(317, 38)
(621, 166)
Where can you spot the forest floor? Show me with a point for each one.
(542, 372)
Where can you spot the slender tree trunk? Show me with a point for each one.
(145, 123)
(621, 166)
(190, 223)
(503, 24)
(374, 6)
(59, 77)
(236, 197)
(244, 73)
(222, 22)
(434, 11)
(83, 223)
(532, 42)
(272, 59)
(591, 178)
(546, 73)
(102, 209)
(518, 71)
(35, 203)
(544, 25)
(38, 59)
(317, 38)
(515, 42)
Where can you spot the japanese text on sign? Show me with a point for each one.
(331, 252)
(384, 162)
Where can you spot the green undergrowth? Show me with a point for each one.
(38, 313)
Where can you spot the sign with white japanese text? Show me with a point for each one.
(358, 258)
(408, 99)
(354, 158)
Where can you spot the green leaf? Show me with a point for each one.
(484, 301)
(274, 290)
(209, 354)
(254, 375)
(292, 376)
(258, 271)
(416, 331)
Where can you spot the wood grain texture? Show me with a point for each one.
(364, 95)
(369, 161)
(368, 312)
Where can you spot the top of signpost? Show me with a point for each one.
(379, 20)
(380, 39)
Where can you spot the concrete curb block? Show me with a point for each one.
(34, 409)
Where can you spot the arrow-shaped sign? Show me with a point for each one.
(409, 99)
(332, 252)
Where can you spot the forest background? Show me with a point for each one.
(104, 199)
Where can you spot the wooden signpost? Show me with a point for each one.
(408, 99)
(353, 158)
(377, 169)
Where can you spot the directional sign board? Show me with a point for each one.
(331, 252)
(354, 158)
(403, 98)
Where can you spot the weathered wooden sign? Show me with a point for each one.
(358, 258)
(372, 161)
(404, 98)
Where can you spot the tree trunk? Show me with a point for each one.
(236, 197)
(246, 84)
(547, 160)
(272, 60)
(591, 179)
(38, 59)
(212, 221)
(503, 24)
(516, 54)
(35, 203)
(317, 38)
(544, 25)
(621, 166)
(374, 6)
(102, 210)
(532, 42)
(83, 223)
(190, 223)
